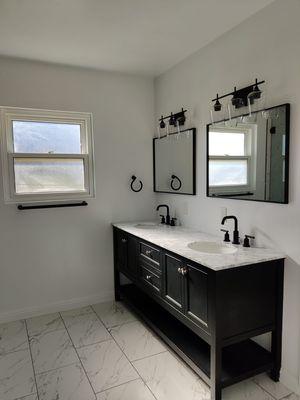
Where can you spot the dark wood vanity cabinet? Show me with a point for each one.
(208, 317)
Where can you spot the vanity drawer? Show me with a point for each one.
(150, 278)
(151, 254)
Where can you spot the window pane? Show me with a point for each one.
(46, 137)
(43, 175)
(227, 172)
(226, 144)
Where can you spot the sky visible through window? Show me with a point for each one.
(37, 175)
(227, 172)
(45, 137)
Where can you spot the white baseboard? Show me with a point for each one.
(35, 311)
(290, 381)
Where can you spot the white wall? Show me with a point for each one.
(266, 46)
(51, 259)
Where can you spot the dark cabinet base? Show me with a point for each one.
(207, 317)
(239, 361)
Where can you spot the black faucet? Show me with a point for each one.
(236, 239)
(168, 220)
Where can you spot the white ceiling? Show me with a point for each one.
(136, 36)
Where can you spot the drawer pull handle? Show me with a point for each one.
(149, 253)
(148, 277)
(124, 240)
(182, 271)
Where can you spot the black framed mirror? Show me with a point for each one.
(248, 156)
(174, 163)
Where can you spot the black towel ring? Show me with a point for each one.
(172, 182)
(132, 182)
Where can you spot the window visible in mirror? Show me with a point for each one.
(230, 159)
(227, 143)
(228, 172)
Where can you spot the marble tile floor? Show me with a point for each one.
(103, 352)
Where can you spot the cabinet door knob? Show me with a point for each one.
(124, 240)
(182, 271)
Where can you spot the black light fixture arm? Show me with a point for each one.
(250, 87)
(174, 119)
(179, 183)
(133, 179)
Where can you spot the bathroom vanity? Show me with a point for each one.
(206, 306)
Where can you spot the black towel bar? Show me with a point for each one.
(33, 207)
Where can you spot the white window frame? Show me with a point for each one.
(235, 189)
(85, 120)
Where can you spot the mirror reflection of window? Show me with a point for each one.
(248, 156)
(230, 159)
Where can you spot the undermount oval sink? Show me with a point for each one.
(212, 247)
(146, 225)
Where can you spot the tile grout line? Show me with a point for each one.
(128, 359)
(34, 374)
(116, 386)
(81, 363)
(270, 394)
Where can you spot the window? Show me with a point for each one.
(47, 155)
(229, 160)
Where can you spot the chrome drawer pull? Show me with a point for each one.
(148, 277)
(124, 240)
(149, 253)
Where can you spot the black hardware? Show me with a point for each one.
(232, 194)
(247, 241)
(218, 105)
(162, 124)
(173, 221)
(240, 96)
(179, 182)
(163, 219)
(193, 133)
(132, 182)
(174, 119)
(226, 236)
(236, 239)
(168, 221)
(34, 207)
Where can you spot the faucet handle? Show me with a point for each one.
(247, 241)
(226, 236)
(163, 219)
(173, 221)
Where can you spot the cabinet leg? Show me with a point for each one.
(215, 372)
(276, 352)
(117, 285)
(277, 332)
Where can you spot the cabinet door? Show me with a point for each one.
(122, 251)
(197, 295)
(173, 281)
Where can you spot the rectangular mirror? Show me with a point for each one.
(248, 156)
(174, 163)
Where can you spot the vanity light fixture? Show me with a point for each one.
(174, 121)
(241, 97)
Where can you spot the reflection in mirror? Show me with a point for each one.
(174, 163)
(248, 156)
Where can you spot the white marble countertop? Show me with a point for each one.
(176, 239)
